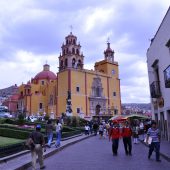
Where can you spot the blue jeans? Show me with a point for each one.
(58, 138)
(50, 138)
(156, 146)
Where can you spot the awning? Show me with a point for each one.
(118, 118)
(137, 116)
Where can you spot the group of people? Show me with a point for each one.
(37, 141)
(126, 132)
(112, 130)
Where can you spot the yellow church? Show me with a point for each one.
(74, 90)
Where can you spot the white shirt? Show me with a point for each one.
(58, 127)
(87, 127)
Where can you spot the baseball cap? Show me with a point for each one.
(38, 126)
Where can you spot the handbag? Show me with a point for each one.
(30, 144)
(149, 140)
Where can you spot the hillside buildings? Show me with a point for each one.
(158, 61)
(74, 90)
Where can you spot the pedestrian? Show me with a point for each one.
(115, 135)
(49, 132)
(135, 133)
(107, 128)
(39, 142)
(58, 133)
(154, 134)
(101, 129)
(126, 134)
(95, 128)
(87, 129)
(141, 127)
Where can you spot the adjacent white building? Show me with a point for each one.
(158, 61)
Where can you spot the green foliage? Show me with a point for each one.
(2, 121)
(11, 133)
(68, 121)
(75, 121)
(46, 117)
(5, 141)
(21, 120)
(82, 122)
(11, 121)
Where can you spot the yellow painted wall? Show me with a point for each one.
(62, 91)
(78, 98)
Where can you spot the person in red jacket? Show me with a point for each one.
(126, 134)
(114, 135)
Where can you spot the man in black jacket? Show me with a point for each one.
(39, 142)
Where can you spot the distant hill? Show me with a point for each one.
(9, 91)
(145, 106)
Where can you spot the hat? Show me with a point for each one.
(38, 126)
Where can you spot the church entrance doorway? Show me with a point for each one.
(98, 107)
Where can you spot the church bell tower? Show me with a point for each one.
(71, 57)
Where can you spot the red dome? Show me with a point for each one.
(46, 75)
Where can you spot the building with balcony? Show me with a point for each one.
(158, 62)
(74, 90)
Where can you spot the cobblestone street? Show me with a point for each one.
(95, 154)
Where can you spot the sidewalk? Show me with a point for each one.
(24, 161)
(164, 149)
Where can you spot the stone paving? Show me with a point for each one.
(95, 154)
(23, 161)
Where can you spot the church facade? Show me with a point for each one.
(74, 90)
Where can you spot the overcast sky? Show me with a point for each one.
(32, 32)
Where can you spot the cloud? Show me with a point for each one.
(33, 32)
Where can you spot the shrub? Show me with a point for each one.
(74, 121)
(68, 121)
(19, 134)
(2, 121)
(10, 121)
(46, 117)
(21, 120)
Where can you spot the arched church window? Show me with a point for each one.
(79, 63)
(67, 50)
(74, 41)
(61, 63)
(77, 51)
(65, 62)
(73, 51)
(67, 42)
(64, 52)
(73, 62)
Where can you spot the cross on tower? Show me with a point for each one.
(71, 28)
(108, 40)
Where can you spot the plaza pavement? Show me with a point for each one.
(93, 154)
(96, 154)
(23, 161)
